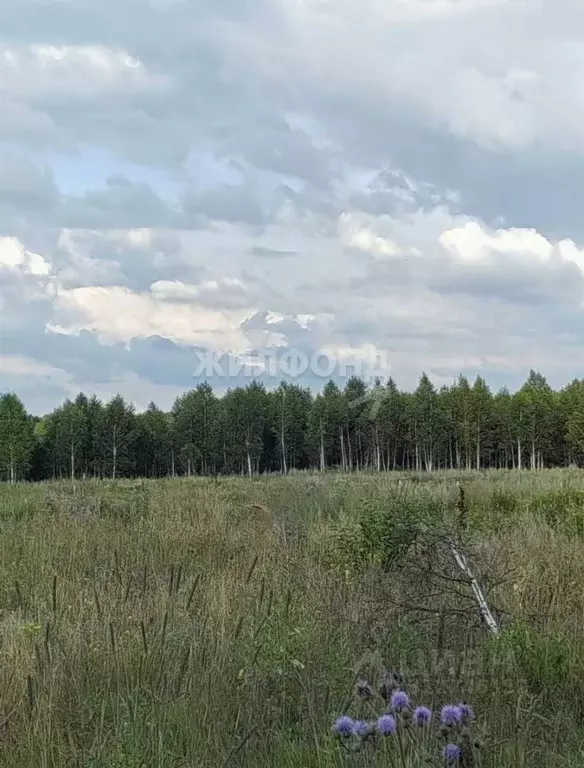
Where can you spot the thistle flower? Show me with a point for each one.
(386, 725)
(422, 716)
(451, 715)
(467, 711)
(361, 728)
(344, 726)
(364, 689)
(452, 753)
(390, 683)
(399, 700)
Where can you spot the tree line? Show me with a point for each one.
(251, 430)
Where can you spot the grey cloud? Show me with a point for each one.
(222, 294)
(157, 360)
(38, 393)
(271, 253)
(226, 202)
(29, 199)
(111, 257)
(537, 285)
(302, 100)
(25, 185)
(120, 204)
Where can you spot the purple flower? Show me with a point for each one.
(422, 716)
(452, 753)
(344, 726)
(451, 715)
(467, 711)
(399, 700)
(361, 728)
(386, 725)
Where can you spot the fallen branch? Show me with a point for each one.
(484, 610)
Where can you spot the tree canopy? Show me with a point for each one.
(249, 430)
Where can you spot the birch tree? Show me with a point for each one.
(119, 424)
(16, 438)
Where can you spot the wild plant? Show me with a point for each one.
(407, 734)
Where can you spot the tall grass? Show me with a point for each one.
(224, 622)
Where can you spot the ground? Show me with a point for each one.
(182, 623)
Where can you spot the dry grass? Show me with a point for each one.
(210, 623)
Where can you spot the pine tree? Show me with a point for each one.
(426, 422)
(249, 430)
(482, 421)
(355, 409)
(73, 428)
(572, 402)
(327, 428)
(118, 434)
(16, 438)
(153, 442)
(534, 408)
(289, 415)
(196, 425)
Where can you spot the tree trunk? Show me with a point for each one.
(478, 449)
(249, 467)
(283, 445)
(519, 459)
(350, 449)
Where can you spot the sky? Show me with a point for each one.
(389, 186)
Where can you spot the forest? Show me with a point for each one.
(250, 430)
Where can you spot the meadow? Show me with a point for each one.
(222, 622)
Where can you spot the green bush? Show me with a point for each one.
(562, 509)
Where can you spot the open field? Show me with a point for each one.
(225, 622)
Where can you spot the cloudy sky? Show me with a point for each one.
(402, 178)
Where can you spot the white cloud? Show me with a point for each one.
(450, 133)
(365, 240)
(14, 256)
(75, 70)
(571, 253)
(119, 314)
(219, 293)
(490, 70)
(472, 243)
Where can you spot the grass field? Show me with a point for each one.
(187, 623)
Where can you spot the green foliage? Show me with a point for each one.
(383, 533)
(562, 509)
(165, 623)
(16, 438)
(505, 502)
(250, 430)
(388, 537)
(117, 758)
(550, 662)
